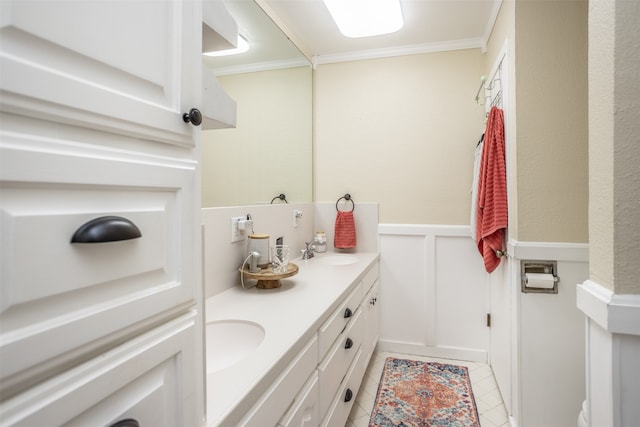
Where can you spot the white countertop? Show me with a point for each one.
(290, 315)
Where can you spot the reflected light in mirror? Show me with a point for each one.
(243, 46)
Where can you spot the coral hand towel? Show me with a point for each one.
(344, 236)
(491, 209)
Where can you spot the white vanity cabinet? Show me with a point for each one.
(100, 310)
(319, 381)
(341, 369)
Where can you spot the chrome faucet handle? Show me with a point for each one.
(308, 252)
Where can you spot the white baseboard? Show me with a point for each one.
(430, 351)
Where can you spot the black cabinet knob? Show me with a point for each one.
(348, 313)
(348, 343)
(348, 395)
(126, 423)
(194, 116)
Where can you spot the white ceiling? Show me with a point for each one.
(429, 25)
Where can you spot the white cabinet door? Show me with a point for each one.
(125, 67)
(371, 309)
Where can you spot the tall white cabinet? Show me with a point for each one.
(105, 330)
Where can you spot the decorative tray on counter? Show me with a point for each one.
(266, 278)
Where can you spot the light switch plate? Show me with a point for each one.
(297, 217)
(237, 235)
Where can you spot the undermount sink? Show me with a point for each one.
(340, 259)
(230, 341)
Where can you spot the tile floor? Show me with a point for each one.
(485, 390)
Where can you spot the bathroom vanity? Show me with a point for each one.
(295, 355)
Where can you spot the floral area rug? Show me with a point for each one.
(424, 394)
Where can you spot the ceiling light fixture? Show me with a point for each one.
(364, 18)
(243, 46)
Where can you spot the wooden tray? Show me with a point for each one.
(267, 279)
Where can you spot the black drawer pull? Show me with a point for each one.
(106, 229)
(348, 395)
(348, 313)
(126, 423)
(348, 343)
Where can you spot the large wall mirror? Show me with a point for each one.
(269, 151)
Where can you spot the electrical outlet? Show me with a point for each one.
(297, 217)
(237, 234)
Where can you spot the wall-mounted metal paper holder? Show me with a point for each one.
(541, 267)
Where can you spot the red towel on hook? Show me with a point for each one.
(344, 236)
(491, 209)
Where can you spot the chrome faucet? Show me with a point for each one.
(307, 253)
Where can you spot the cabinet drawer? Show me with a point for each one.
(334, 367)
(330, 330)
(304, 412)
(62, 301)
(346, 396)
(275, 401)
(150, 379)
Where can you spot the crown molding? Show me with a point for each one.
(398, 51)
(262, 66)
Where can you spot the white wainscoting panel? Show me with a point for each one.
(503, 318)
(433, 292)
(613, 352)
(549, 339)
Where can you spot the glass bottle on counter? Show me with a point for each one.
(320, 242)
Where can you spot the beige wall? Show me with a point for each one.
(269, 152)
(601, 83)
(551, 129)
(500, 42)
(614, 153)
(546, 115)
(400, 131)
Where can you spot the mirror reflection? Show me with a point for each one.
(269, 151)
